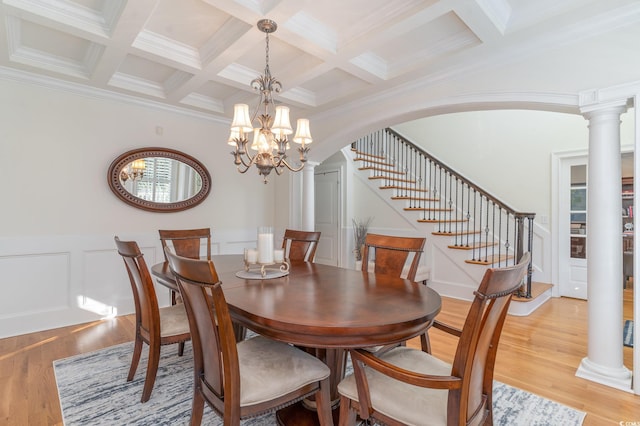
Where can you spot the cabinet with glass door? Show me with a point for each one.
(627, 229)
(579, 221)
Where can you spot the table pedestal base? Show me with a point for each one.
(298, 415)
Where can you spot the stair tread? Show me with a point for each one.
(455, 234)
(403, 188)
(490, 260)
(407, 198)
(537, 289)
(380, 169)
(443, 221)
(366, 154)
(428, 209)
(395, 179)
(382, 163)
(472, 246)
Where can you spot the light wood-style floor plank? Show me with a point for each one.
(539, 353)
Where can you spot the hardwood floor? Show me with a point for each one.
(539, 353)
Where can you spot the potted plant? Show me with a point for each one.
(360, 229)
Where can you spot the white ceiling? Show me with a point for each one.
(201, 55)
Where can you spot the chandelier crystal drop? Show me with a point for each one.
(270, 140)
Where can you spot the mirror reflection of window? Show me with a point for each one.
(165, 181)
(155, 185)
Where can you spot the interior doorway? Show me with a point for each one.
(327, 216)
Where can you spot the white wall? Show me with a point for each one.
(59, 217)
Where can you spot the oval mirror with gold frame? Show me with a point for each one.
(159, 179)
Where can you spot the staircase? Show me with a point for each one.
(468, 219)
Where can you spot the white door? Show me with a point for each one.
(327, 216)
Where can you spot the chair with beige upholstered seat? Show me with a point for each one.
(300, 245)
(242, 379)
(154, 326)
(407, 386)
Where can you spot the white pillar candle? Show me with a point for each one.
(265, 245)
(278, 255)
(252, 256)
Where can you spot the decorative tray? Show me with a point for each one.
(256, 274)
(259, 271)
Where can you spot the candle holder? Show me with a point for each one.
(263, 269)
(257, 260)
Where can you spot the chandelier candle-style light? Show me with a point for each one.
(134, 170)
(270, 139)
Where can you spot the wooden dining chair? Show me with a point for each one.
(187, 243)
(389, 255)
(155, 326)
(241, 379)
(408, 386)
(300, 245)
(397, 256)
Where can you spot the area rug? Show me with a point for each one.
(93, 391)
(627, 334)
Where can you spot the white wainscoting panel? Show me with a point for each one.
(34, 284)
(60, 280)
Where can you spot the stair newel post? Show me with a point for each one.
(519, 251)
(442, 198)
(507, 243)
(500, 214)
(414, 159)
(468, 213)
(487, 229)
(457, 212)
(477, 254)
(530, 219)
(432, 187)
(419, 176)
(491, 229)
(405, 156)
(480, 227)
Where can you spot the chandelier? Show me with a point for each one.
(134, 170)
(270, 139)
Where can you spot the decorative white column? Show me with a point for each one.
(604, 361)
(308, 196)
(295, 200)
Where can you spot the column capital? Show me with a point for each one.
(310, 165)
(618, 106)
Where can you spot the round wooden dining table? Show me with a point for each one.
(323, 307)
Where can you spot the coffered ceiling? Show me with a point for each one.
(201, 55)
